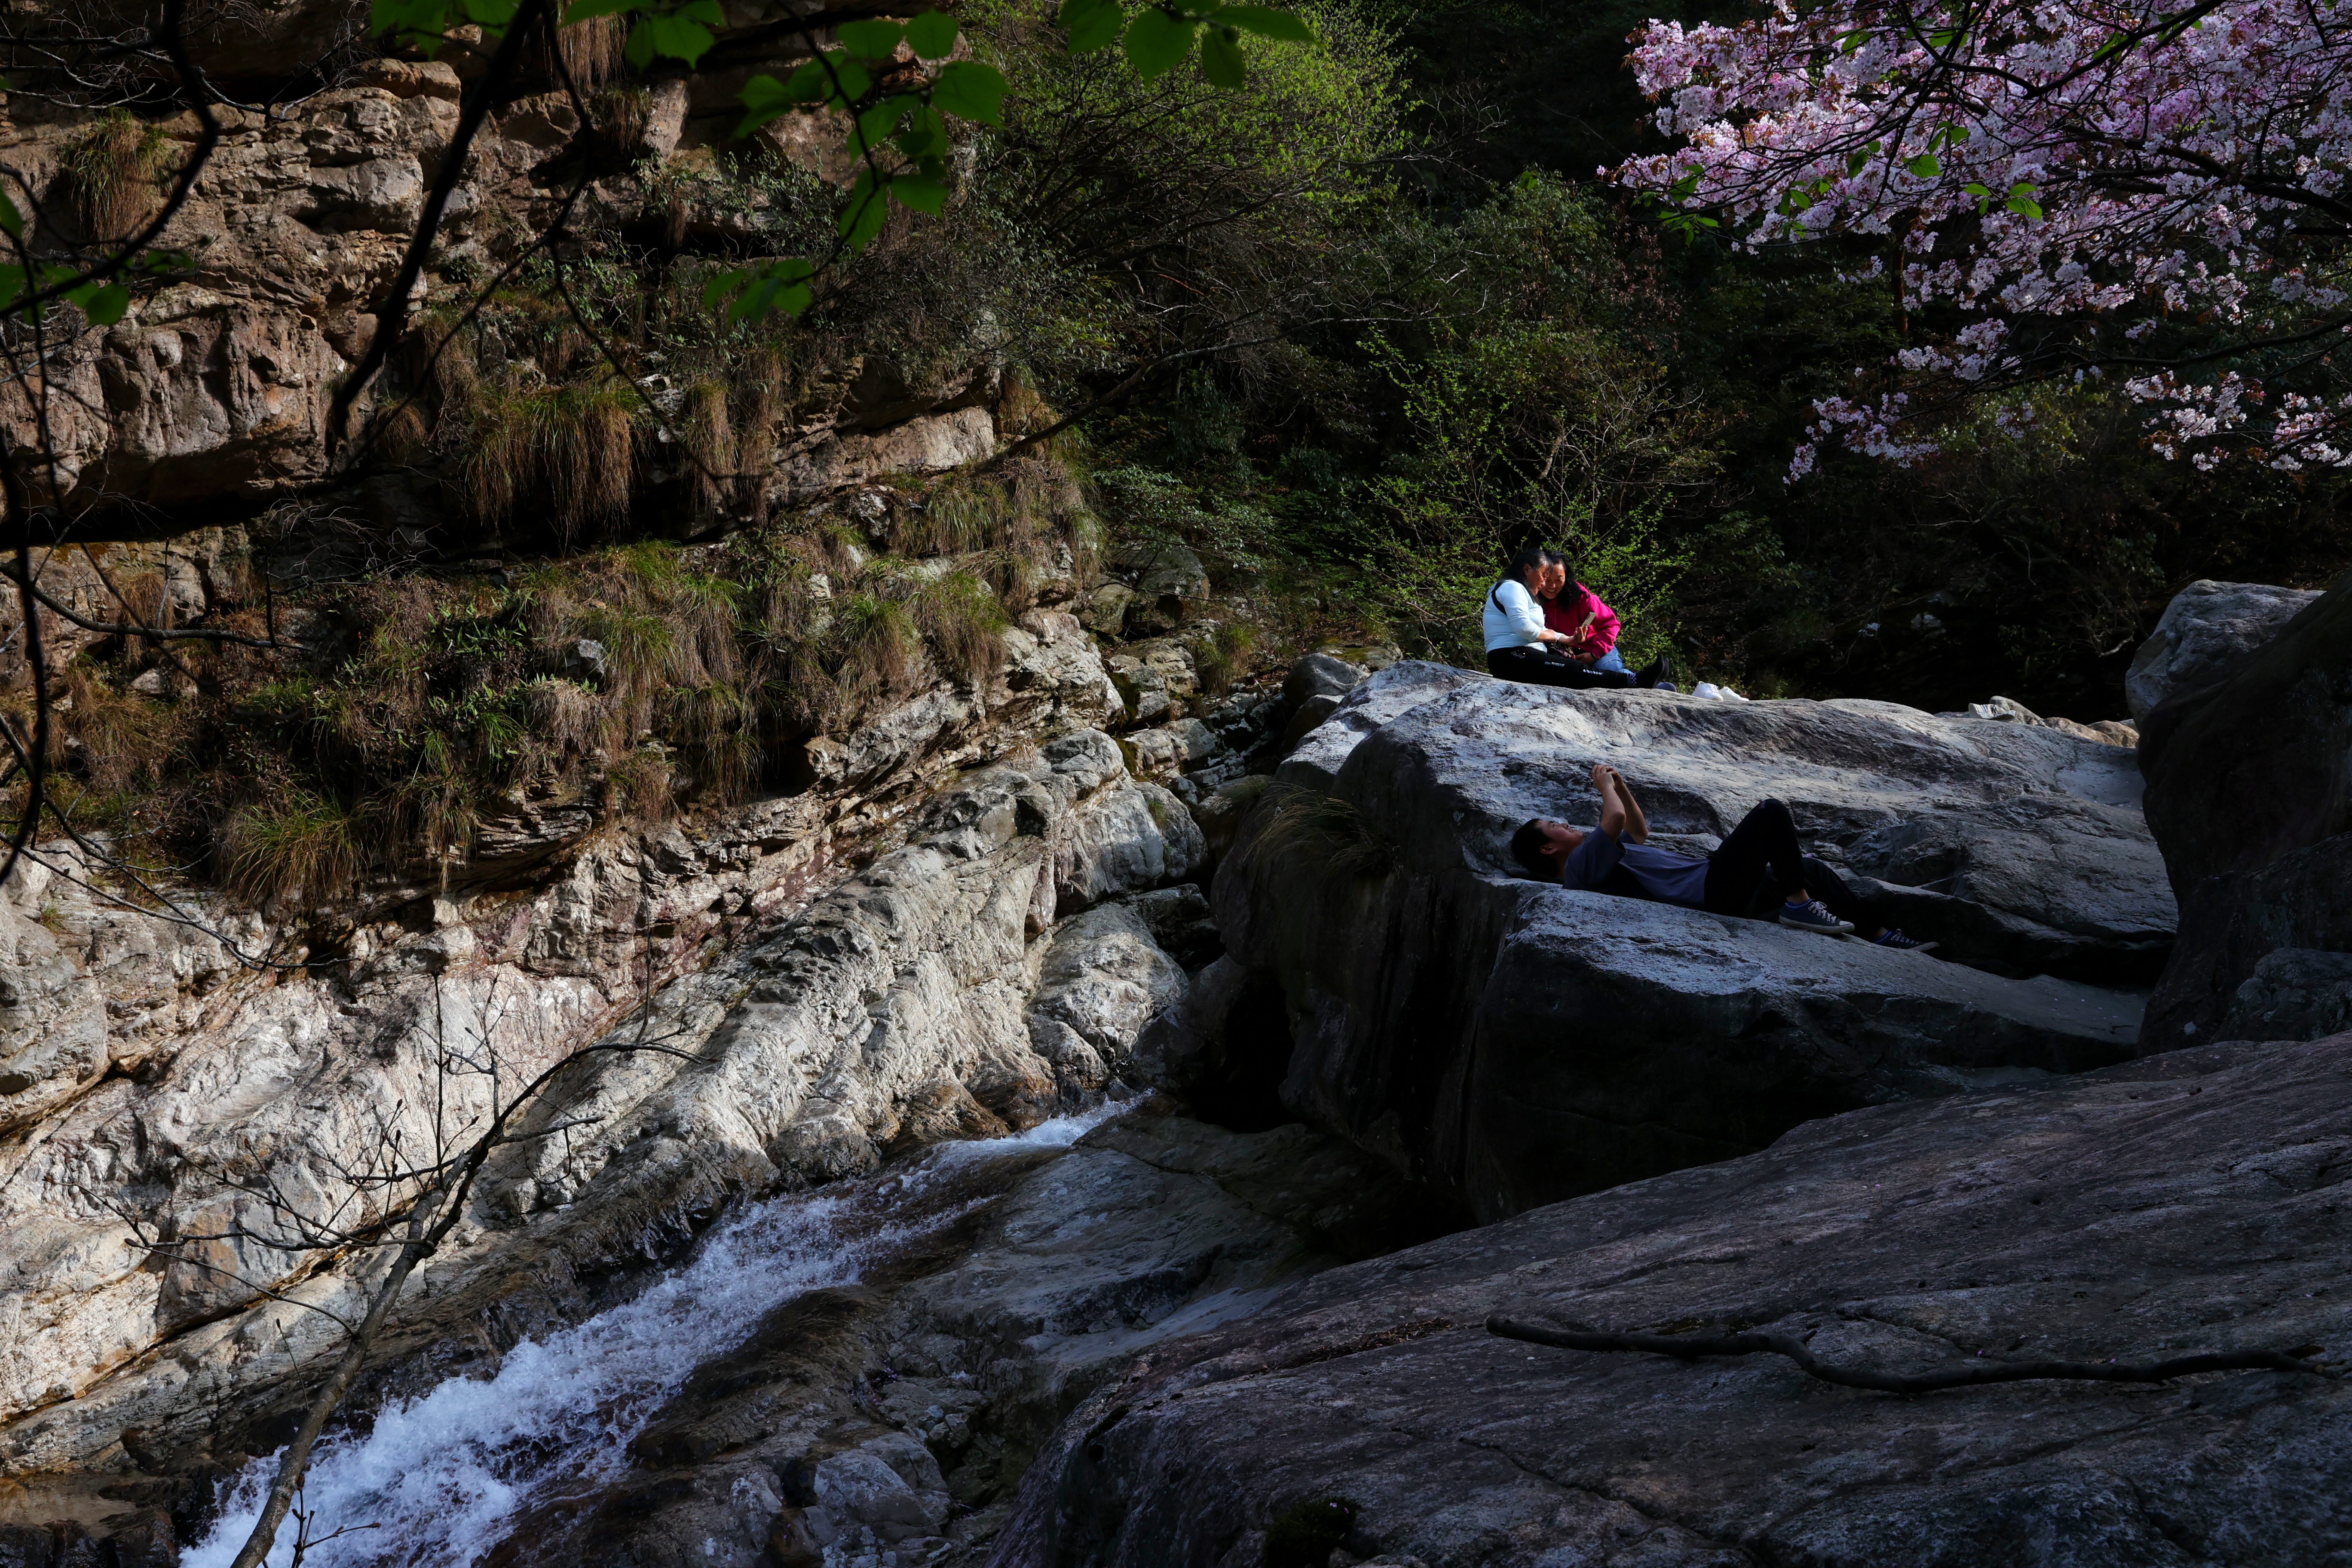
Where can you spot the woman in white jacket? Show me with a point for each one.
(1518, 641)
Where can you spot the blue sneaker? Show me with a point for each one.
(1893, 938)
(1815, 915)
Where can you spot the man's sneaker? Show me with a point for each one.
(1895, 939)
(1815, 916)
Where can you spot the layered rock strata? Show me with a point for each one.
(984, 975)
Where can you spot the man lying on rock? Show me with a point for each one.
(1759, 864)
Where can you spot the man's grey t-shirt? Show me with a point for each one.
(1666, 876)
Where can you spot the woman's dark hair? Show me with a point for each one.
(1527, 560)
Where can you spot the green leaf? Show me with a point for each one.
(932, 36)
(588, 10)
(1156, 41)
(971, 92)
(103, 305)
(420, 22)
(11, 222)
(1267, 22)
(861, 219)
(873, 40)
(1221, 58)
(925, 196)
(925, 137)
(12, 283)
(855, 81)
(678, 37)
(1923, 166)
(1091, 23)
(1976, 189)
(756, 291)
(492, 16)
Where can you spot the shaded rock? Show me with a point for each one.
(1103, 977)
(1171, 584)
(2294, 994)
(1103, 610)
(2250, 793)
(1511, 1043)
(1905, 1238)
(2207, 626)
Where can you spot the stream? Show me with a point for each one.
(435, 1481)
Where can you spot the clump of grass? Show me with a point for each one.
(881, 652)
(110, 175)
(567, 454)
(1228, 646)
(964, 622)
(708, 433)
(1327, 831)
(594, 50)
(621, 115)
(297, 848)
(125, 742)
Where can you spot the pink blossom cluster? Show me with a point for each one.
(2075, 183)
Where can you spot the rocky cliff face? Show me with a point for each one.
(984, 975)
(1512, 1043)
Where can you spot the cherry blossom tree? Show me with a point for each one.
(2151, 193)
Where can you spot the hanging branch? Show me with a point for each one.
(1691, 1347)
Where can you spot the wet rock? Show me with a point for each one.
(1512, 1043)
(2207, 627)
(1905, 1238)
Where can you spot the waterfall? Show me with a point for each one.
(435, 1481)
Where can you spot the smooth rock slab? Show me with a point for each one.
(2179, 1204)
(1513, 1043)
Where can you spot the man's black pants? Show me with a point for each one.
(1761, 863)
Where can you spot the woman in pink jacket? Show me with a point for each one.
(1590, 626)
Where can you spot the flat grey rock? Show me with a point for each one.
(2181, 1204)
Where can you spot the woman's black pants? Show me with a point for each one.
(1762, 863)
(1532, 666)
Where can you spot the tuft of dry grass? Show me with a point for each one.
(1327, 830)
(708, 433)
(111, 176)
(564, 453)
(594, 50)
(964, 624)
(298, 848)
(621, 115)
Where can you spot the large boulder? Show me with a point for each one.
(2186, 1204)
(2250, 793)
(2207, 627)
(1513, 1043)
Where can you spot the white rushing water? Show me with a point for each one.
(436, 1481)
